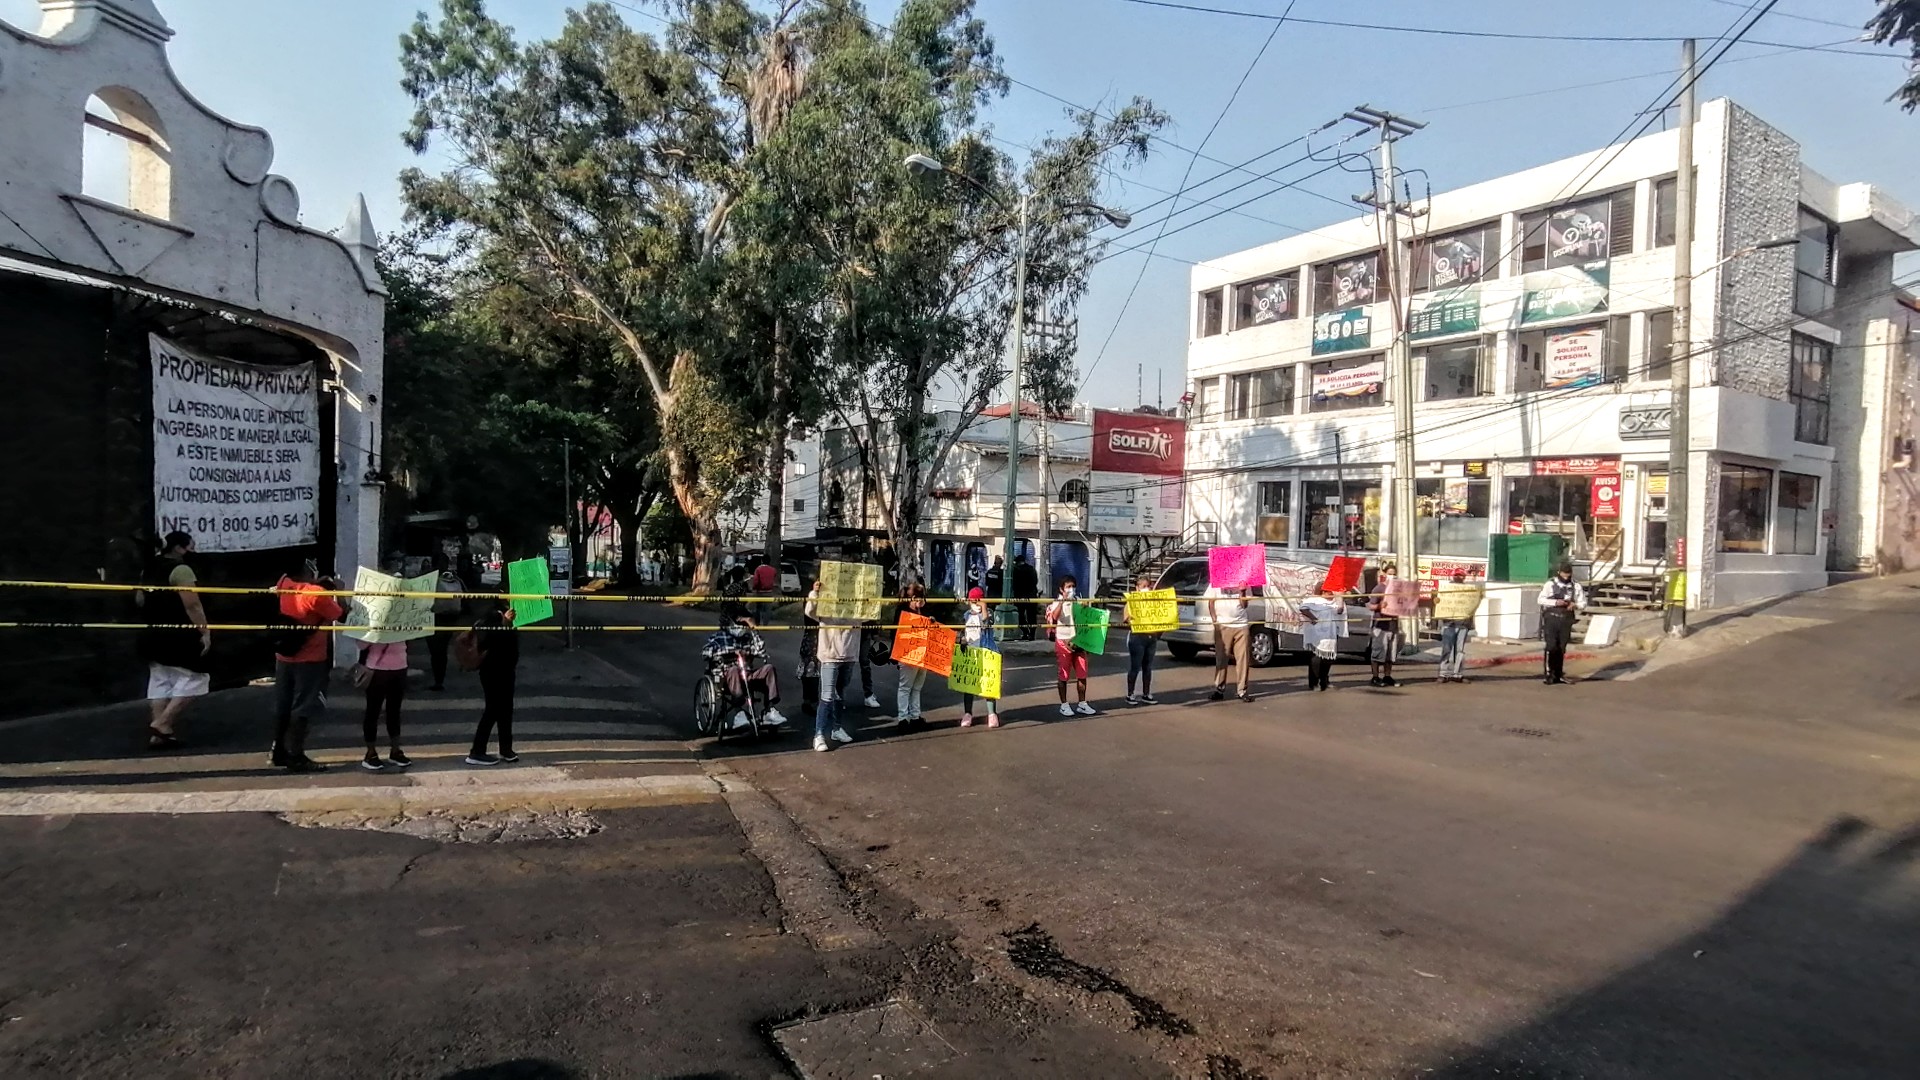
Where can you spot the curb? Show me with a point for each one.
(813, 899)
(546, 795)
(1521, 658)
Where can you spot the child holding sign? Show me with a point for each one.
(1140, 649)
(913, 601)
(1071, 659)
(978, 634)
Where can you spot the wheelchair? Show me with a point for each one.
(713, 706)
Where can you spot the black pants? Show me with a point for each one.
(437, 646)
(496, 689)
(1556, 629)
(809, 694)
(1140, 650)
(385, 691)
(300, 697)
(1319, 670)
(1029, 619)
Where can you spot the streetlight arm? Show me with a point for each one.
(1764, 245)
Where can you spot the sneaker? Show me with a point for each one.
(1388, 680)
(871, 702)
(821, 745)
(372, 762)
(739, 722)
(1246, 697)
(1085, 709)
(1149, 699)
(840, 735)
(1217, 695)
(966, 719)
(276, 759)
(482, 759)
(1132, 700)
(304, 764)
(1375, 681)
(1066, 709)
(993, 719)
(508, 757)
(398, 759)
(773, 718)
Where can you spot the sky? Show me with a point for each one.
(323, 77)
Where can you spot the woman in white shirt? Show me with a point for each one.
(1326, 624)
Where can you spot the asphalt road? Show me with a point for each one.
(1707, 872)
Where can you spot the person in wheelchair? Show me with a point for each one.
(738, 636)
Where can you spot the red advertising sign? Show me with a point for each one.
(1606, 495)
(1138, 443)
(1577, 466)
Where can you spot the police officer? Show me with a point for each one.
(1561, 601)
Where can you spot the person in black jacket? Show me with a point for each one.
(499, 646)
(1026, 589)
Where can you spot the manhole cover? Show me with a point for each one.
(1530, 732)
(888, 1040)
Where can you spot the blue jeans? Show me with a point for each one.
(1453, 649)
(827, 716)
(1140, 650)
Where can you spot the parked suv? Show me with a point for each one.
(1188, 579)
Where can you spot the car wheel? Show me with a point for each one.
(1263, 648)
(1182, 651)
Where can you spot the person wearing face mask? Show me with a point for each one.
(1069, 658)
(913, 601)
(977, 633)
(739, 637)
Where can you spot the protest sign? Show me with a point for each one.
(1244, 566)
(923, 643)
(1402, 598)
(1153, 612)
(976, 672)
(849, 591)
(1296, 581)
(1457, 600)
(1090, 628)
(382, 619)
(1344, 576)
(529, 577)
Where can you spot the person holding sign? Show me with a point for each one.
(978, 634)
(1227, 606)
(1140, 649)
(498, 643)
(1384, 603)
(1326, 624)
(906, 695)
(302, 664)
(834, 647)
(1453, 606)
(1070, 659)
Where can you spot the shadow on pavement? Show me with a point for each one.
(1811, 973)
(524, 1069)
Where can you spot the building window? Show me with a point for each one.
(1452, 517)
(1563, 503)
(1569, 357)
(1745, 492)
(1276, 512)
(1349, 384)
(1206, 399)
(1326, 507)
(1213, 310)
(1269, 300)
(1074, 492)
(1660, 346)
(1459, 258)
(1259, 394)
(1796, 532)
(1813, 264)
(799, 506)
(1666, 214)
(1346, 283)
(1458, 370)
(1577, 233)
(1808, 387)
(124, 155)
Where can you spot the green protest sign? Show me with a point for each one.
(528, 576)
(1090, 628)
(379, 619)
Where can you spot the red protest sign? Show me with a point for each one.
(1344, 575)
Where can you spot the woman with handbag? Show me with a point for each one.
(977, 633)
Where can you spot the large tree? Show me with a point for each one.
(1898, 23)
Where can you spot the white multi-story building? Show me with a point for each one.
(1542, 326)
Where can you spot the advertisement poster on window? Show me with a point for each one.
(1575, 359)
(1605, 492)
(1578, 235)
(1272, 301)
(1342, 331)
(1355, 281)
(1454, 260)
(1564, 292)
(1453, 311)
(1356, 381)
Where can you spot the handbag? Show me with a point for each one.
(360, 675)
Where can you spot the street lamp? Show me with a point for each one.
(922, 165)
(1680, 426)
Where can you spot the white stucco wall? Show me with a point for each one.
(220, 231)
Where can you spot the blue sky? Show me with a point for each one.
(323, 78)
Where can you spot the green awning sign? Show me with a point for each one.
(1565, 292)
(1342, 331)
(1448, 311)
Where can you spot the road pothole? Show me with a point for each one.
(1033, 951)
(457, 827)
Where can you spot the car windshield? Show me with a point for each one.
(1188, 577)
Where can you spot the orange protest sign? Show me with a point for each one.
(923, 643)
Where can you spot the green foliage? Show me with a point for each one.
(1898, 23)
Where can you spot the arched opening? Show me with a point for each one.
(1074, 492)
(124, 157)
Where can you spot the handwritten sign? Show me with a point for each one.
(529, 576)
(1090, 628)
(1244, 566)
(1402, 598)
(382, 619)
(1296, 581)
(976, 672)
(1344, 575)
(849, 591)
(1155, 611)
(1457, 600)
(923, 643)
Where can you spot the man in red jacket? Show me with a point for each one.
(302, 663)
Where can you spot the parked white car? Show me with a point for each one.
(1274, 631)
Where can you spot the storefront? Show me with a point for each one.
(1578, 498)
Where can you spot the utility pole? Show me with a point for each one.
(1680, 372)
(1400, 349)
(1340, 500)
(1009, 615)
(1044, 560)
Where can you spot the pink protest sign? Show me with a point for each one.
(1402, 598)
(1241, 567)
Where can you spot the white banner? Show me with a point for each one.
(1350, 382)
(1576, 359)
(236, 451)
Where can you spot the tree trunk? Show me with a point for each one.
(703, 519)
(777, 445)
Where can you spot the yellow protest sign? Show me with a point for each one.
(849, 591)
(1457, 600)
(1152, 612)
(976, 672)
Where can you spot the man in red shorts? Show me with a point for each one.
(1069, 659)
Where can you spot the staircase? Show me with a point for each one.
(1627, 592)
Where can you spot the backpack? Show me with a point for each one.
(466, 650)
(289, 638)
